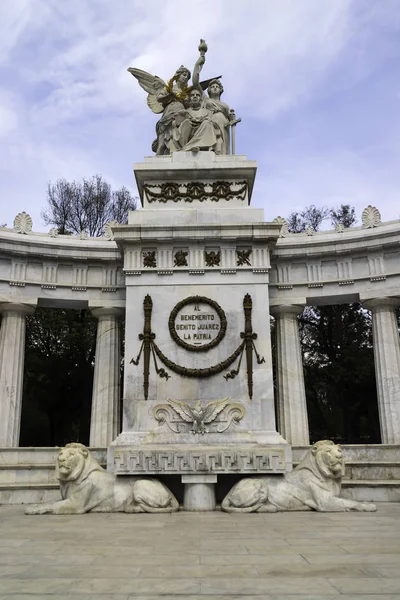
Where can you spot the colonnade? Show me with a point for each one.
(105, 418)
(292, 409)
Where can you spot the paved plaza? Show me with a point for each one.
(286, 556)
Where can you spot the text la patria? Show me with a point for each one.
(197, 325)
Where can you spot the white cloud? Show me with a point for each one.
(14, 19)
(271, 54)
(72, 110)
(8, 119)
(334, 178)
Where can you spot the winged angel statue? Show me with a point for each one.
(200, 415)
(190, 120)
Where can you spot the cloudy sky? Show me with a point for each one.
(316, 83)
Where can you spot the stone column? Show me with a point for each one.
(104, 424)
(12, 355)
(387, 365)
(199, 492)
(292, 407)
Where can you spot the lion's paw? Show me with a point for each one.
(368, 507)
(36, 509)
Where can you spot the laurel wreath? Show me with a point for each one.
(180, 95)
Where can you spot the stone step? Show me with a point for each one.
(363, 491)
(359, 452)
(376, 470)
(37, 456)
(27, 493)
(30, 473)
(27, 475)
(371, 490)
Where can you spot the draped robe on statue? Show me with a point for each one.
(196, 129)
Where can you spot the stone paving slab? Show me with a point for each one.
(194, 556)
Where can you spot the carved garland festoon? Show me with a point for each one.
(149, 348)
(196, 190)
(197, 300)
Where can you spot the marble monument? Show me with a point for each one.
(86, 487)
(196, 273)
(198, 397)
(315, 484)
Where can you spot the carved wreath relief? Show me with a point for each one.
(197, 323)
(207, 333)
(180, 258)
(212, 259)
(243, 258)
(149, 259)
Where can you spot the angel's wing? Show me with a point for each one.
(150, 84)
(183, 410)
(213, 409)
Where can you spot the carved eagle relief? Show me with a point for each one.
(198, 415)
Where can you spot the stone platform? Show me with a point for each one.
(284, 556)
(27, 475)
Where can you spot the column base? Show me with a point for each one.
(199, 492)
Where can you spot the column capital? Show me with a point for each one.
(286, 309)
(16, 307)
(108, 311)
(384, 302)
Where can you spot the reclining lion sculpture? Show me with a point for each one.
(86, 487)
(313, 485)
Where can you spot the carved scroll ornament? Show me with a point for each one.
(219, 414)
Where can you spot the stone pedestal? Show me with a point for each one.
(12, 355)
(105, 421)
(387, 365)
(199, 492)
(292, 407)
(198, 381)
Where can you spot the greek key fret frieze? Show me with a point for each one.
(139, 461)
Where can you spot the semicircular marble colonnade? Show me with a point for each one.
(360, 264)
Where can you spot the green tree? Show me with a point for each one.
(86, 206)
(339, 373)
(336, 343)
(313, 217)
(60, 344)
(344, 215)
(59, 363)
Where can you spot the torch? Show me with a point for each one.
(202, 48)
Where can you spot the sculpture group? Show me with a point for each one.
(314, 484)
(191, 120)
(86, 487)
